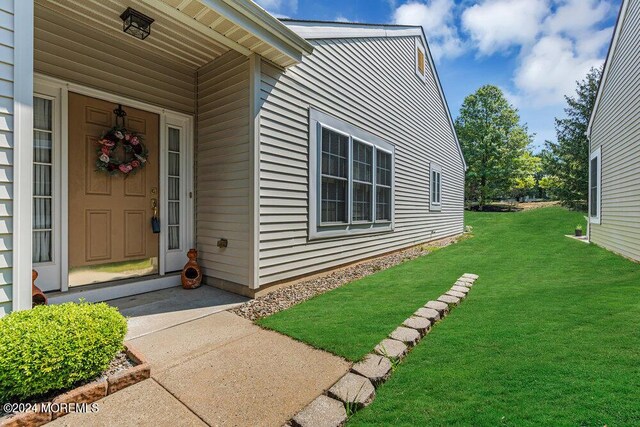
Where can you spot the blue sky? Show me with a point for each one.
(534, 50)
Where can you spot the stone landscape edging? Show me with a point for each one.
(86, 394)
(356, 389)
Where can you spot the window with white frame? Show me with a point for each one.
(351, 182)
(42, 250)
(595, 170)
(436, 187)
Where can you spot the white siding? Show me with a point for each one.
(222, 171)
(616, 129)
(6, 154)
(370, 83)
(73, 51)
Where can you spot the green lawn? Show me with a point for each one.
(549, 335)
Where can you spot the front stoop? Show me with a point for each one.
(85, 394)
(356, 389)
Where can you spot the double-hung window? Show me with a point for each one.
(595, 170)
(351, 182)
(436, 187)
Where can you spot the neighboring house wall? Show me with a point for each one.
(615, 129)
(222, 168)
(76, 52)
(372, 84)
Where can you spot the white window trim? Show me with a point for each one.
(435, 206)
(317, 230)
(420, 48)
(59, 89)
(596, 154)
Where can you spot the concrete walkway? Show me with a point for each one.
(219, 369)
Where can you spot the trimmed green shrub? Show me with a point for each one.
(52, 347)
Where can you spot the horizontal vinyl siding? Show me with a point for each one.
(6, 154)
(616, 129)
(370, 83)
(223, 168)
(73, 51)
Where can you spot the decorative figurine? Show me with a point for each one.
(37, 296)
(191, 273)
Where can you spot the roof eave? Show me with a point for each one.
(263, 25)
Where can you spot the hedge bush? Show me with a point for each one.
(53, 347)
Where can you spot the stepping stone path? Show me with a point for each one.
(407, 335)
(441, 307)
(420, 324)
(429, 313)
(449, 299)
(392, 349)
(456, 294)
(462, 289)
(356, 389)
(374, 367)
(322, 412)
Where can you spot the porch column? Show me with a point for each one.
(22, 150)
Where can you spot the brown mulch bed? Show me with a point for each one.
(285, 297)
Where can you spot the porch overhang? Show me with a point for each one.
(240, 25)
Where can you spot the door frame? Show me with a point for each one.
(58, 90)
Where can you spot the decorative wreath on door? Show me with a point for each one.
(121, 151)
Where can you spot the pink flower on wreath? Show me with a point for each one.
(106, 142)
(125, 168)
(104, 158)
(127, 136)
(135, 164)
(105, 150)
(135, 140)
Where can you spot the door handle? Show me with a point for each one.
(154, 207)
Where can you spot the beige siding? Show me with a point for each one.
(616, 129)
(370, 83)
(6, 154)
(76, 52)
(222, 159)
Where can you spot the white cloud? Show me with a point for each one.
(279, 8)
(497, 25)
(436, 17)
(576, 16)
(341, 18)
(550, 70)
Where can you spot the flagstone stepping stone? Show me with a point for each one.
(429, 313)
(471, 276)
(442, 307)
(465, 284)
(322, 412)
(392, 349)
(407, 335)
(466, 279)
(451, 300)
(420, 324)
(462, 289)
(353, 389)
(457, 294)
(375, 367)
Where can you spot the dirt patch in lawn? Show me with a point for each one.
(285, 297)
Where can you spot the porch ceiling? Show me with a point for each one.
(190, 32)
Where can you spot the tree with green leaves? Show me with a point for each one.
(493, 140)
(567, 159)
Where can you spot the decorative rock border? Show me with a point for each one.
(356, 389)
(84, 394)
